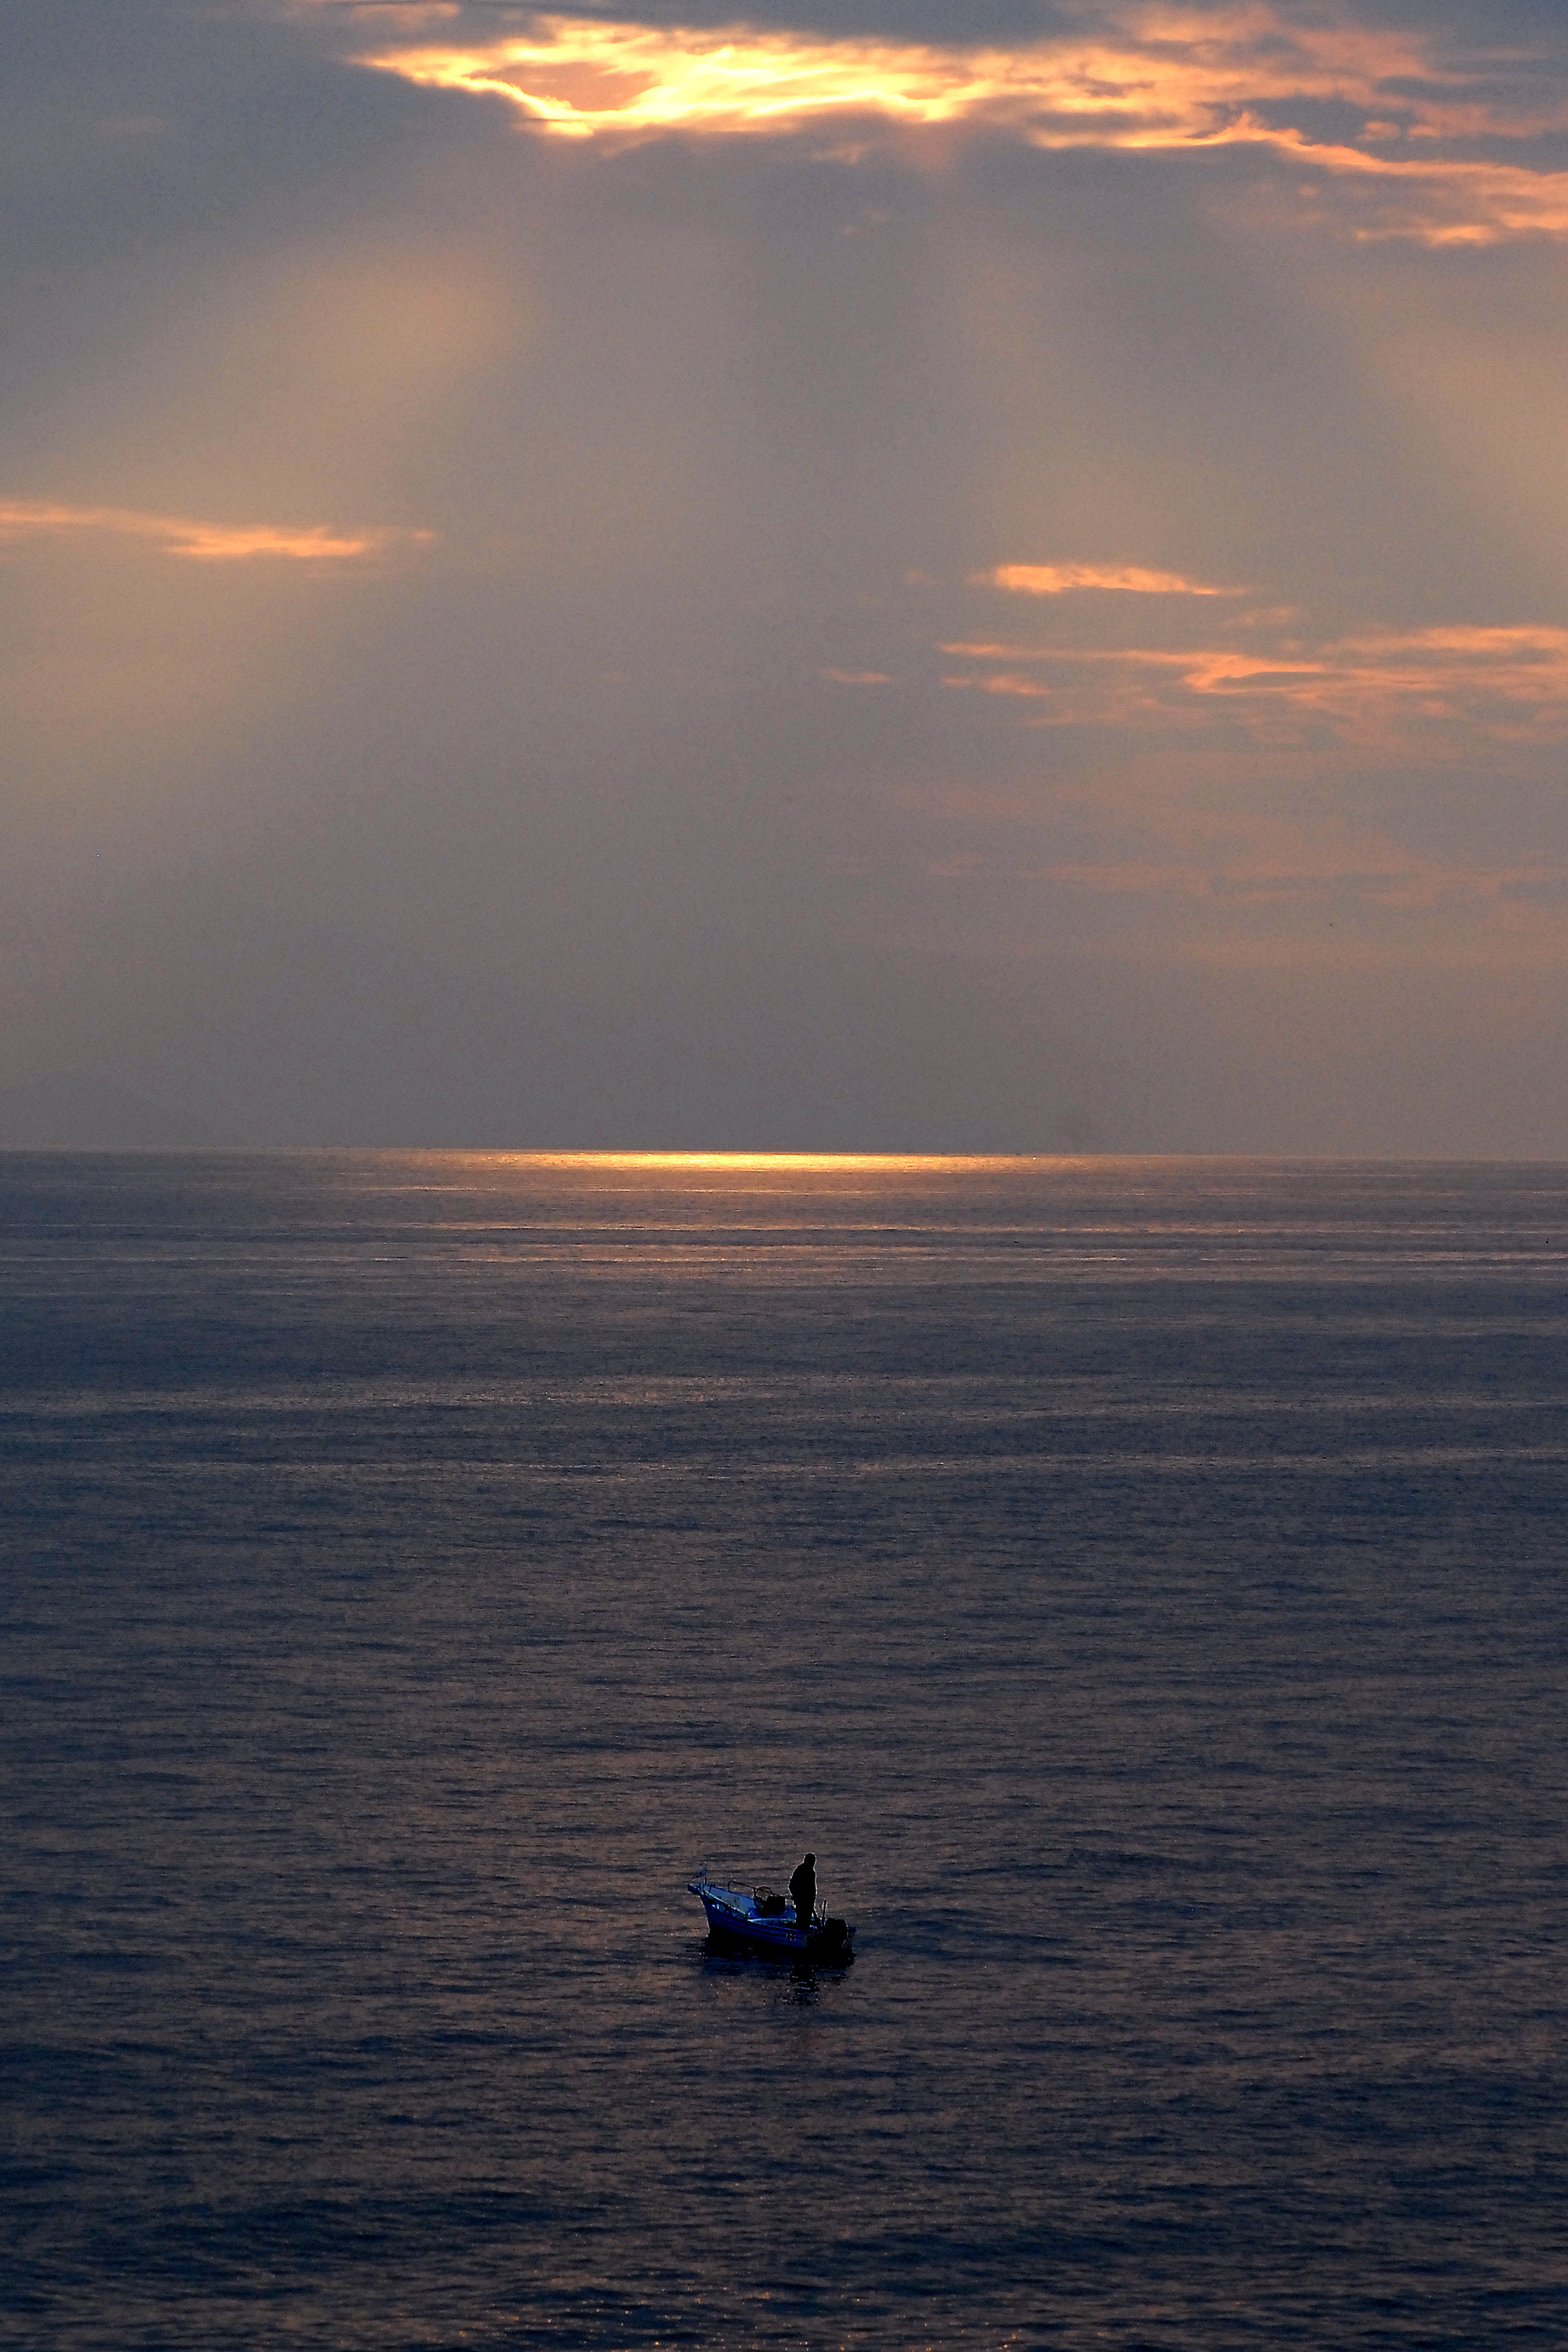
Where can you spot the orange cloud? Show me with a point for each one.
(1460, 684)
(201, 542)
(1143, 78)
(1127, 579)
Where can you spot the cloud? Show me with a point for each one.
(1138, 848)
(1453, 685)
(202, 542)
(1388, 120)
(1125, 579)
(1370, 875)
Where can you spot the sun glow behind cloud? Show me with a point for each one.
(1428, 148)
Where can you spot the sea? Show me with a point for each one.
(1142, 1583)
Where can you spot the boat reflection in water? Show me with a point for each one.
(764, 1922)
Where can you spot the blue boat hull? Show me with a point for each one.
(734, 1924)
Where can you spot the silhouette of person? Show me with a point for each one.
(803, 1891)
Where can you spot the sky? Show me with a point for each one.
(876, 577)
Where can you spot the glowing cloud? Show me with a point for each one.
(1503, 685)
(581, 77)
(1149, 78)
(1125, 579)
(202, 542)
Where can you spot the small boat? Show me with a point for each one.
(761, 1921)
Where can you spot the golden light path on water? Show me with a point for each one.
(802, 1163)
(745, 1171)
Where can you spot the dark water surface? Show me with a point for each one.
(1142, 1584)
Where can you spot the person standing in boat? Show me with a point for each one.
(803, 1891)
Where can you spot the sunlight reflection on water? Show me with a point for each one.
(1139, 1582)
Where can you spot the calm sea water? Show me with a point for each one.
(1142, 1583)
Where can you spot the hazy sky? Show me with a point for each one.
(889, 575)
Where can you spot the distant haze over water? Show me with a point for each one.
(75, 1110)
(1139, 1581)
